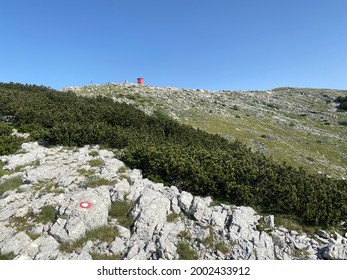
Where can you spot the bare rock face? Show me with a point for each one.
(55, 205)
(335, 252)
(150, 213)
(185, 201)
(80, 217)
(198, 207)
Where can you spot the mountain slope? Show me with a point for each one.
(299, 126)
(175, 154)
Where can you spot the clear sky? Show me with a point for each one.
(206, 44)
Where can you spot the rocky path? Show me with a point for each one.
(59, 203)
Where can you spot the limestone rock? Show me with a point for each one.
(118, 246)
(269, 221)
(150, 213)
(323, 234)
(152, 237)
(185, 201)
(335, 252)
(198, 206)
(218, 216)
(48, 248)
(19, 243)
(120, 191)
(79, 219)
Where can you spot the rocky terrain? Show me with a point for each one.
(84, 203)
(300, 126)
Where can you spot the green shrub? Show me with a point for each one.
(342, 100)
(5, 129)
(9, 144)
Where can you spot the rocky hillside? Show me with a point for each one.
(84, 203)
(300, 126)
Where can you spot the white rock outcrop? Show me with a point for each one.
(57, 181)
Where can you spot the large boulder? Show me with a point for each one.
(335, 252)
(150, 214)
(75, 219)
(185, 201)
(198, 206)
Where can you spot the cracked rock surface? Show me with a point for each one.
(63, 208)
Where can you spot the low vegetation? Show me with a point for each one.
(121, 210)
(172, 217)
(342, 101)
(8, 143)
(7, 256)
(175, 154)
(93, 181)
(185, 251)
(104, 233)
(46, 215)
(10, 184)
(96, 162)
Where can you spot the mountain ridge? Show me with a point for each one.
(298, 125)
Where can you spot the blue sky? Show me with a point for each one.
(217, 44)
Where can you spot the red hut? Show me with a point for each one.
(140, 81)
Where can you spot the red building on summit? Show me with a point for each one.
(140, 81)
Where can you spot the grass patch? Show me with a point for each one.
(7, 256)
(4, 172)
(221, 247)
(291, 224)
(209, 240)
(23, 223)
(184, 234)
(161, 113)
(219, 202)
(104, 233)
(46, 215)
(121, 210)
(185, 251)
(94, 182)
(93, 153)
(301, 254)
(83, 171)
(48, 187)
(344, 122)
(123, 169)
(10, 184)
(18, 168)
(172, 217)
(96, 162)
